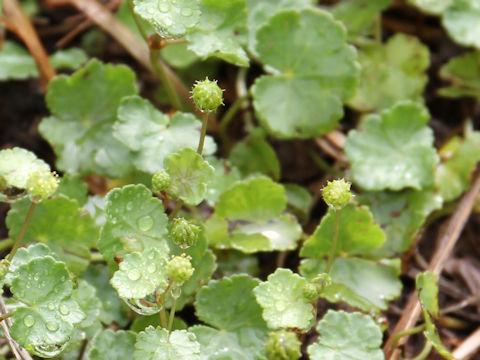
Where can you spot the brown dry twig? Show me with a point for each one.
(445, 244)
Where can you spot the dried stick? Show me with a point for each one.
(18, 22)
(445, 245)
(468, 347)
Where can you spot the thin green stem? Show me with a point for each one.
(6, 244)
(228, 117)
(163, 318)
(427, 348)
(19, 239)
(177, 208)
(5, 316)
(203, 133)
(333, 249)
(172, 313)
(137, 21)
(161, 300)
(407, 332)
(159, 69)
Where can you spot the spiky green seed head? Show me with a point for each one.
(161, 181)
(207, 95)
(184, 233)
(42, 184)
(282, 345)
(179, 269)
(337, 193)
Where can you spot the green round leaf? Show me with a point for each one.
(159, 344)
(436, 7)
(394, 150)
(229, 304)
(282, 300)
(463, 73)
(86, 297)
(358, 233)
(190, 175)
(169, 17)
(112, 345)
(140, 274)
(311, 76)
(136, 221)
(81, 135)
(347, 336)
(255, 199)
(462, 22)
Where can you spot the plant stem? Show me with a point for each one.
(162, 74)
(427, 348)
(172, 313)
(5, 316)
(161, 302)
(5, 244)
(333, 249)
(163, 318)
(408, 332)
(203, 133)
(177, 208)
(137, 21)
(19, 239)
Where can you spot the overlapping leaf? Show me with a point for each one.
(17, 164)
(283, 302)
(311, 76)
(394, 149)
(152, 135)
(391, 72)
(60, 223)
(224, 176)
(190, 175)
(347, 336)
(82, 134)
(136, 221)
(112, 345)
(463, 72)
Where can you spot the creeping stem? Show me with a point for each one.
(203, 133)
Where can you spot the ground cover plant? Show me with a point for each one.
(239, 179)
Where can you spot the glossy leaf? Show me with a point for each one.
(391, 72)
(432, 6)
(17, 164)
(82, 135)
(461, 20)
(299, 199)
(283, 302)
(394, 149)
(86, 297)
(255, 199)
(238, 308)
(365, 284)
(136, 221)
(224, 176)
(453, 175)
(169, 17)
(190, 175)
(152, 135)
(159, 344)
(216, 34)
(73, 188)
(347, 336)
(45, 322)
(358, 233)
(400, 215)
(56, 222)
(312, 76)
(112, 345)
(141, 274)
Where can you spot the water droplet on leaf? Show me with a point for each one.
(187, 12)
(151, 268)
(280, 305)
(64, 310)
(145, 223)
(52, 326)
(29, 321)
(133, 274)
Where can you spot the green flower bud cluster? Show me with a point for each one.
(179, 269)
(42, 184)
(207, 95)
(337, 193)
(314, 288)
(282, 345)
(161, 181)
(184, 233)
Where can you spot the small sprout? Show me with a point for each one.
(337, 193)
(184, 233)
(207, 95)
(42, 184)
(161, 181)
(179, 269)
(314, 288)
(282, 345)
